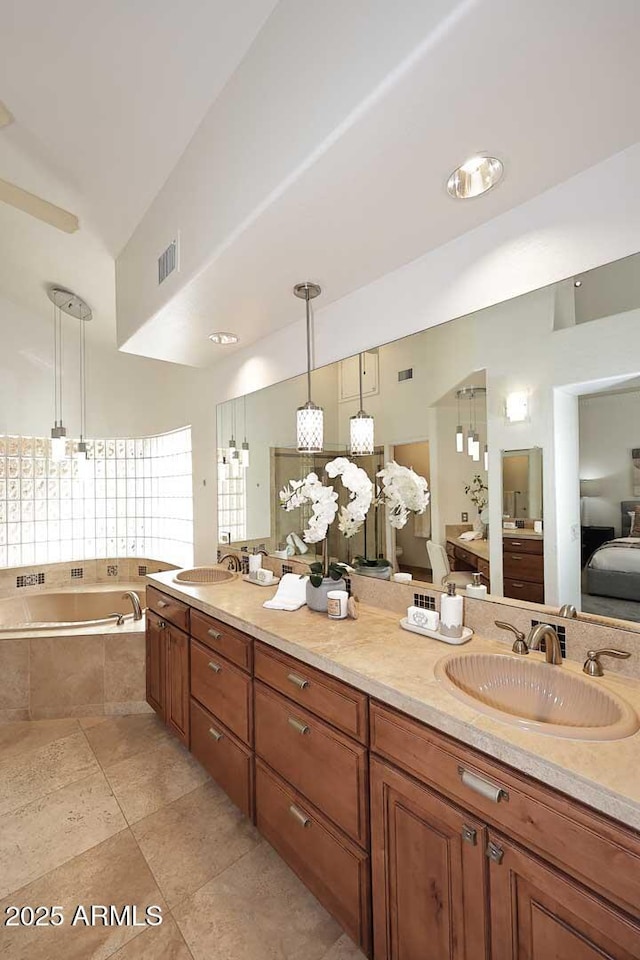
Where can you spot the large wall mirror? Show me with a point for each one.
(540, 496)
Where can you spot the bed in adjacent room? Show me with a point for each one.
(613, 570)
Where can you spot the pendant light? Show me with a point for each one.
(486, 457)
(81, 449)
(361, 425)
(459, 430)
(471, 432)
(310, 417)
(244, 453)
(64, 301)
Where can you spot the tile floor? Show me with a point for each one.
(115, 811)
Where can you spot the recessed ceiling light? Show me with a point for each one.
(577, 283)
(223, 337)
(476, 175)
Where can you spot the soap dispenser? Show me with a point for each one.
(477, 588)
(451, 610)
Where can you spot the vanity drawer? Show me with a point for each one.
(231, 643)
(603, 855)
(522, 545)
(523, 566)
(227, 760)
(223, 689)
(334, 701)
(328, 863)
(523, 590)
(327, 767)
(168, 608)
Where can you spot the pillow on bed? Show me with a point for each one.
(635, 522)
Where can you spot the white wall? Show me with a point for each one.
(609, 430)
(126, 395)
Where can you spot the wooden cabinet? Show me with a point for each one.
(429, 873)
(523, 568)
(539, 914)
(223, 689)
(156, 664)
(223, 756)
(167, 674)
(177, 702)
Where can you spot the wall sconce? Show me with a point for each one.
(517, 407)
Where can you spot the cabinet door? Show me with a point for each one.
(156, 664)
(177, 704)
(429, 873)
(539, 914)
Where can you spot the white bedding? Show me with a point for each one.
(617, 558)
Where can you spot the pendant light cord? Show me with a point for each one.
(55, 367)
(360, 378)
(306, 300)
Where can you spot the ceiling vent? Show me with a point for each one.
(167, 261)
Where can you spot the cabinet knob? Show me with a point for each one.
(214, 666)
(297, 681)
(214, 633)
(494, 852)
(162, 603)
(215, 734)
(298, 726)
(469, 834)
(162, 624)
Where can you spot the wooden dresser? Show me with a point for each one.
(523, 568)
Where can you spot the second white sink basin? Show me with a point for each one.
(204, 575)
(537, 696)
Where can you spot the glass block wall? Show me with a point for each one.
(133, 497)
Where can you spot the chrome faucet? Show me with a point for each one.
(519, 644)
(234, 562)
(135, 603)
(544, 631)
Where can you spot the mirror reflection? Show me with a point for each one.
(489, 408)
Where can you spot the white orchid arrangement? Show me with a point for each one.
(402, 492)
(323, 499)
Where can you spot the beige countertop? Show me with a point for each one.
(516, 534)
(479, 548)
(375, 655)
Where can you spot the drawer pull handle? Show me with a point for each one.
(298, 681)
(162, 624)
(515, 556)
(516, 584)
(494, 852)
(163, 603)
(486, 789)
(298, 815)
(214, 666)
(298, 726)
(214, 633)
(215, 734)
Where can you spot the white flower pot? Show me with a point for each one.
(317, 596)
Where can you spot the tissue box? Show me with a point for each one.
(419, 617)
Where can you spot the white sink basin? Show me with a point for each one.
(537, 696)
(204, 575)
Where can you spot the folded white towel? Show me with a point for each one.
(290, 595)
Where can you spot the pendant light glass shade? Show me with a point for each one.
(244, 454)
(58, 443)
(361, 434)
(470, 443)
(486, 457)
(223, 469)
(459, 439)
(475, 452)
(310, 417)
(310, 428)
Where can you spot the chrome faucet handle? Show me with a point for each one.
(519, 644)
(569, 611)
(592, 666)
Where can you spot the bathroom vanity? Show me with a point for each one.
(356, 771)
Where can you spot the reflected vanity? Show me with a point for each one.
(556, 389)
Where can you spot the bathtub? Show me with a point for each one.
(92, 606)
